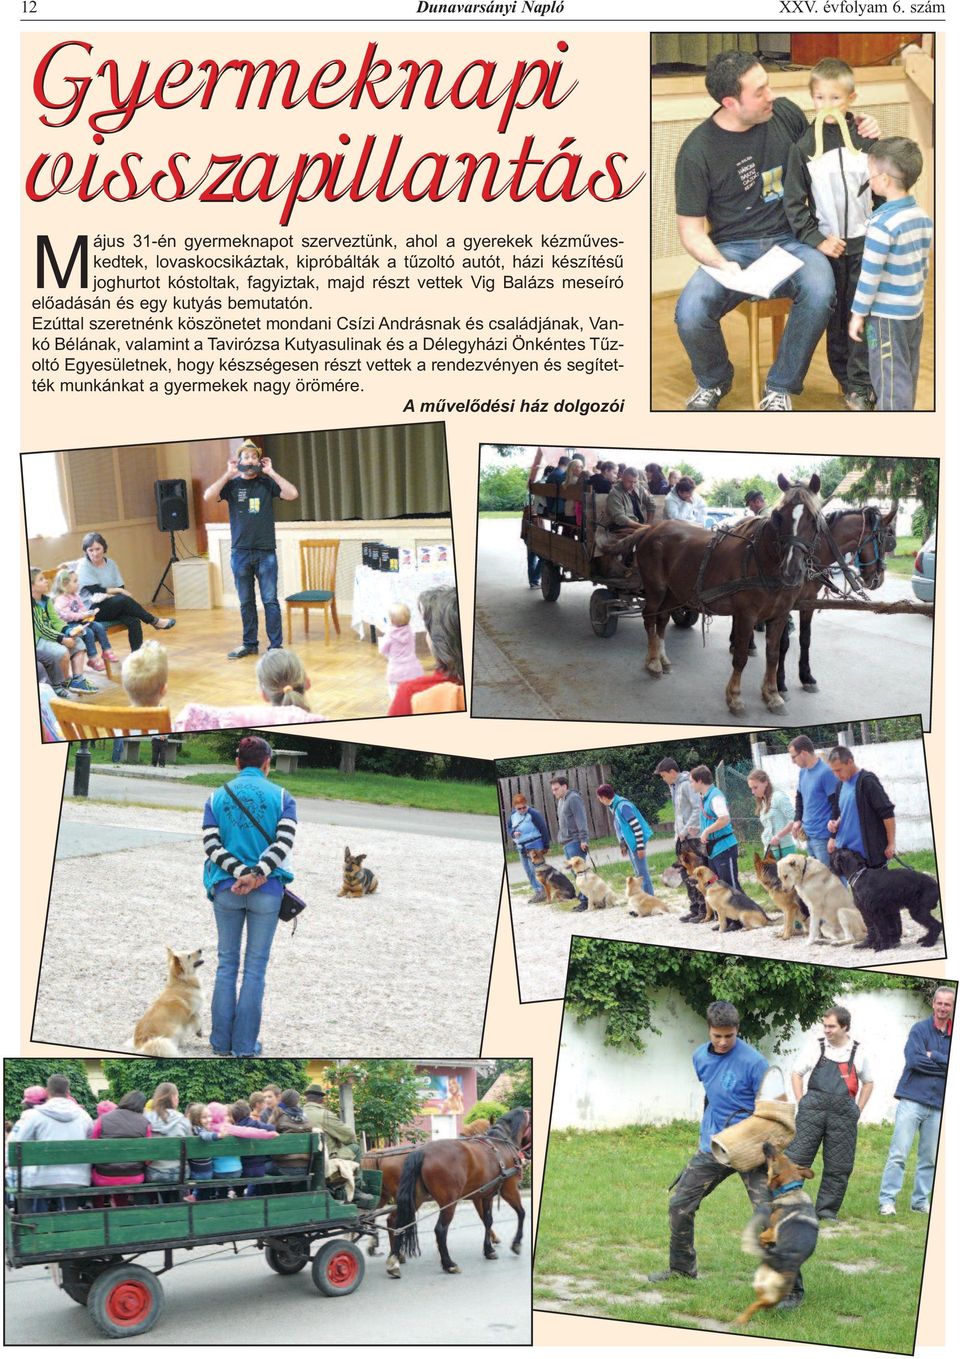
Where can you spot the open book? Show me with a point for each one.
(761, 278)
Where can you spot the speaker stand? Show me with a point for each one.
(166, 571)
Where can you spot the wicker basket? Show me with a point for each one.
(772, 1120)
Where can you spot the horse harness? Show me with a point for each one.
(703, 598)
(497, 1143)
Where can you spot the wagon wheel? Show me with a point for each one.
(685, 617)
(337, 1268)
(287, 1254)
(550, 581)
(603, 622)
(77, 1277)
(125, 1300)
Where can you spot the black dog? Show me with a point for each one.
(882, 893)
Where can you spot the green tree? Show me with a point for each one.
(215, 1078)
(831, 472)
(387, 1096)
(21, 1072)
(521, 1088)
(687, 469)
(617, 981)
(899, 477)
(732, 490)
(503, 488)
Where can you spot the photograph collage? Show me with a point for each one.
(517, 808)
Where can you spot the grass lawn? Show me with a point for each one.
(437, 795)
(603, 1227)
(500, 514)
(900, 563)
(191, 752)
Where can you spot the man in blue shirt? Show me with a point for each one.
(863, 815)
(816, 788)
(919, 1097)
(731, 1073)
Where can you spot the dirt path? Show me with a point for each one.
(401, 972)
(542, 935)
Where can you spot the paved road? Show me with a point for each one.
(216, 1297)
(363, 815)
(533, 659)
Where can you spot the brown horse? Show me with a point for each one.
(390, 1161)
(450, 1170)
(867, 535)
(755, 570)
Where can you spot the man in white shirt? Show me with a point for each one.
(839, 1086)
(683, 502)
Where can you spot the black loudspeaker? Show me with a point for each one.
(173, 512)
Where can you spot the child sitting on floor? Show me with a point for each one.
(144, 675)
(73, 609)
(283, 687)
(399, 645)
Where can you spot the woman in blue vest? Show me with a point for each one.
(245, 876)
(633, 832)
(716, 831)
(528, 830)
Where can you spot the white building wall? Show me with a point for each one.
(899, 766)
(600, 1087)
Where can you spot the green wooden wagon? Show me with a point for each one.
(92, 1249)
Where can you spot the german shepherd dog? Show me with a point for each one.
(784, 1241)
(357, 880)
(556, 885)
(785, 898)
(882, 893)
(727, 904)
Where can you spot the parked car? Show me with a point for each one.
(721, 514)
(925, 570)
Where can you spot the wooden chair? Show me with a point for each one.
(78, 722)
(440, 698)
(754, 311)
(318, 580)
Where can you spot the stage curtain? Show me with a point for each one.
(696, 49)
(363, 473)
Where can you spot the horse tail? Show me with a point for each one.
(407, 1240)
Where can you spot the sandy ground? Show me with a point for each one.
(400, 973)
(542, 937)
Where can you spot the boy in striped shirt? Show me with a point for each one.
(896, 260)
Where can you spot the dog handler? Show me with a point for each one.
(632, 831)
(572, 823)
(828, 1115)
(731, 1073)
(686, 829)
(863, 817)
(245, 879)
(716, 829)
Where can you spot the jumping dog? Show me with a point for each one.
(784, 1241)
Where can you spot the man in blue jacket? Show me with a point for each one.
(731, 1073)
(919, 1098)
(817, 786)
(632, 831)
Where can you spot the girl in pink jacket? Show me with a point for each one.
(399, 645)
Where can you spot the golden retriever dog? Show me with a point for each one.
(178, 1010)
(726, 903)
(597, 892)
(830, 903)
(640, 902)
